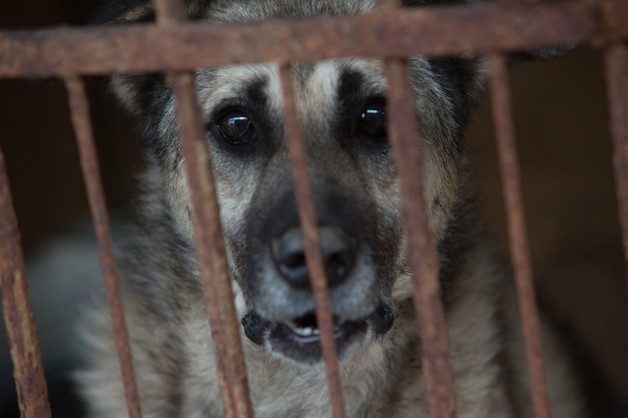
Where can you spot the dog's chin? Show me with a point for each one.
(299, 340)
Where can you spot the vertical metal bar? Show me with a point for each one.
(502, 115)
(28, 371)
(210, 250)
(79, 108)
(616, 67)
(406, 145)
(309, 225)
(208, 235)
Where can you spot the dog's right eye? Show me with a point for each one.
(236, 127)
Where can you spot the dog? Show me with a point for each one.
(342, 109)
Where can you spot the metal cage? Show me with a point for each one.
(487, 28)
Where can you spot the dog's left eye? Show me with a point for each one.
(236, 127)
(372, 120)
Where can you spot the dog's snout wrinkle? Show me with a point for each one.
(338, 251)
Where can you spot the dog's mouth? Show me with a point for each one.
(299, 338)
(304, 330)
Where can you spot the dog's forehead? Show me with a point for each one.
(317, 86)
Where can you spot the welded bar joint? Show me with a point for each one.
(313, 257)
(79, 112)
(406, 144)
(504, 130)
(28, 371)
(208, 235)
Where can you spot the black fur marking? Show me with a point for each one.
(334, 208)
(254, 327)
(453, 247)
(455, 76)
(151, 98)
(353, 95)
(382, 320)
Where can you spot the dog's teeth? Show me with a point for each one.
(306, 332)
(303, 331)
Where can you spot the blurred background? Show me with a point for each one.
(564, 148)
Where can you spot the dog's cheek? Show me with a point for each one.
(178, 194)
(441, 183)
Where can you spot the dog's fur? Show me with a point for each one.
(358, 203)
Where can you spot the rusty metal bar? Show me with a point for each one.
(422, 256)
(504, 130)
(79, 109)
(309, 225)
(616, 66)
(428, 31)
(405, 141)
(208, 235)
(28, 371)
(211, 253)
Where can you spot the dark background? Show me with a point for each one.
(564, 148)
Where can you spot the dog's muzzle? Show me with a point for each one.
(299, 338)
(280, 303)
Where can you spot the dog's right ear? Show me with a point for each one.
(141, 94)
(137, 92)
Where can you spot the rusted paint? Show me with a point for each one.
(428, 31)
(313, 256)
(616, 67)
(504, 130)
(406, 145)
(79, 111)
(28, 371)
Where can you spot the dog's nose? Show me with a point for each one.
(338, 250)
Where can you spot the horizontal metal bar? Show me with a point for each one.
(511, 182)
(428, 31)
(28, 371)
(406, 144)
(79, 112)
(313, 256)
(616, 66)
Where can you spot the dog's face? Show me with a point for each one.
(342, 109)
